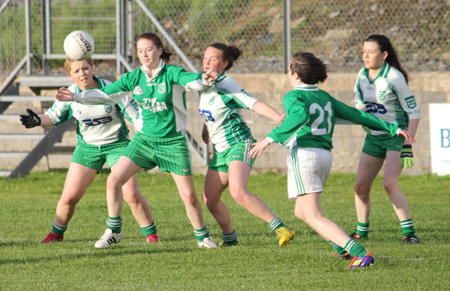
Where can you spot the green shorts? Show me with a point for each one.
(377, 145)
(237, 152)
(95, 157)
(170, 154)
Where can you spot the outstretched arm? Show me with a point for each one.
(266, 110)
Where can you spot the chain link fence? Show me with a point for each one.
(333, 30)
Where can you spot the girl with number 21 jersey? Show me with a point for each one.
(307, 131)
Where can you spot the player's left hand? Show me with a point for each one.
(63, 94)
(406, 157)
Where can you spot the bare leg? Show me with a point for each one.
(392, 173)
(138, 204)
(121, 172)
(215, 184)
(308, 208)
(368, 169)
(77, 180)
(185, 186)
(239, 173)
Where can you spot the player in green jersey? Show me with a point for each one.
(307, 130)
(160, 139)
(382, 90)
(102, 137)
(232, 139)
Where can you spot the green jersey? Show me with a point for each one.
(387, 97)
(220, 107)
(96, 124)
(163, 110)
(310, 118)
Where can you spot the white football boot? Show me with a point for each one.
(208, 243)
(108, 238)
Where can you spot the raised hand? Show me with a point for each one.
(63, 94)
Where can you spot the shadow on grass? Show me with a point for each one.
(95, 253)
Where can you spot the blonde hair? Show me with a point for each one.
(69, 61)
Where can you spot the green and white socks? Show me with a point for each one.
(407, 227)
(115, 224)
(362, 228)
(58, 229)
(200, 234)
(276, 223)
(149, 229)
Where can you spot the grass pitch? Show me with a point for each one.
(176, 263)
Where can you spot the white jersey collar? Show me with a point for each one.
(307, 87)
(158, 69)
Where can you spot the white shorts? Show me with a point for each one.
(308, 169)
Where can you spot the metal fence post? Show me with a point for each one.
(287, 34)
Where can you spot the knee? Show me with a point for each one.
(391, 186)
(114, 181)
(362, 189)
(189, 198)
(131, 196)
(69, 200)
(238, 194)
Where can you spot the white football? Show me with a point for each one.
(79, 45)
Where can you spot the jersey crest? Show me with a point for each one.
(108, 108)
(382, 95)
(410, 102)
(162, 89)
(138, 90)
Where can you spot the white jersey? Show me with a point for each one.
(220, 107)
(96, 124)
(387, 97)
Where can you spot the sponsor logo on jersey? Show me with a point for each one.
(108, 108)
(138, 90)
(382, 95)
(153, 105)
(162, 88)
(411, 102)
(211, 100)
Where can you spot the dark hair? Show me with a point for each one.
(230, 53)
(309, 68)
(385, 46)
(165, 55)
(69, 61)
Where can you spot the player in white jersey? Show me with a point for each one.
(307, 130)
(102, 137)
(160, 140)
(232, 139)
(382, 90)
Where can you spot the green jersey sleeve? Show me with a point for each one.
(357, 116)
(296, 117)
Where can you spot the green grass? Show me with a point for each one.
(176, 263)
